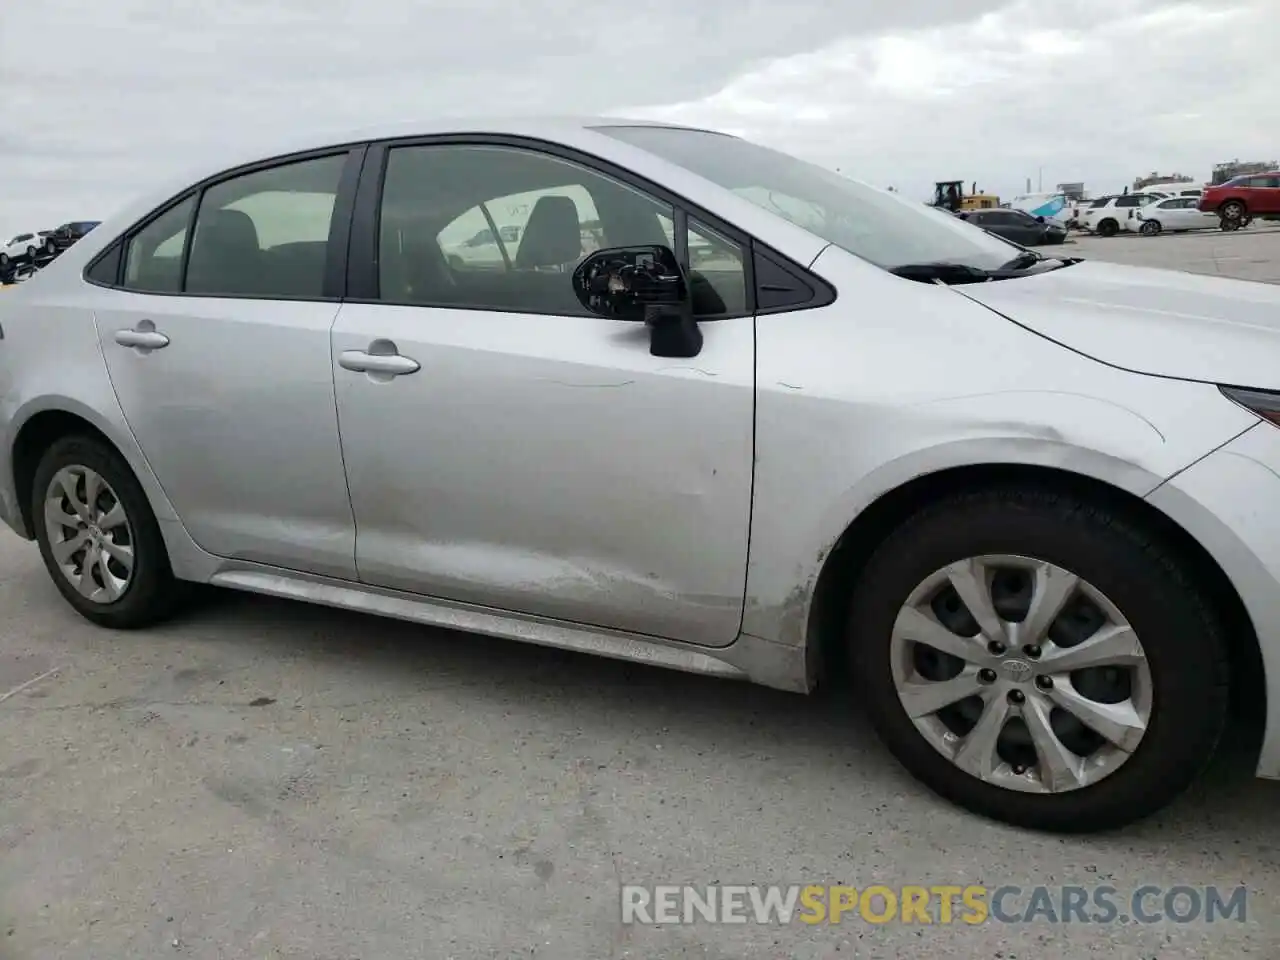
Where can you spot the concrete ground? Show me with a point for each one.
(1249, 254)
(263, 779)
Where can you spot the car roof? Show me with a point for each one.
(549, 127)
(536, 126)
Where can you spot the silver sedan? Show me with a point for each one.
(707, 406)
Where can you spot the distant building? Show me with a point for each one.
(1222, 172)
(1072, 191)
(1141, 183)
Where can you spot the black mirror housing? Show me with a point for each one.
(642, 283)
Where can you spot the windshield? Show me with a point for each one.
(874, 224)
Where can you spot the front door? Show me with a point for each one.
(224, 374)
(507, 449)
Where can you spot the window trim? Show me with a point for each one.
(336, 254)
(363, 266)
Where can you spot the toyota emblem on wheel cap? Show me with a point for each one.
(1019, 671)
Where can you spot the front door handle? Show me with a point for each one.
(392, 365)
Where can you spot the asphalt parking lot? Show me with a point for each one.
(1249, 254)
(263, 779)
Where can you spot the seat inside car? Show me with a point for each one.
(553, 235)
(226, 257)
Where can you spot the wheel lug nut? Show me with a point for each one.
(1016, 696)
(1019, 769)
(1044, 682)
(987, 676)
(996, 647)
(1031, 650)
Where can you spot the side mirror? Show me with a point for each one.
(642, 284)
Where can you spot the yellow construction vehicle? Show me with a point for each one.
(950, 195)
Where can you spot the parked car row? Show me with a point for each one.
(1228, 206)
(33, 250)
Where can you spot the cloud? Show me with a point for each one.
(1098, 91)
(102, 98)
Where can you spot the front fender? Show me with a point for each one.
(907, 379)
(780, 598)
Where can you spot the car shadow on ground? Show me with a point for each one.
(1227, 801)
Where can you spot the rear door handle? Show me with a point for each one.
(392, 365)
(143, 339)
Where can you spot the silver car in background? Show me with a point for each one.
(1027, 505)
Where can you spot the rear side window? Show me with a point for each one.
(266, 233)
(1129, 201)
(153, 256)
(1098, 204)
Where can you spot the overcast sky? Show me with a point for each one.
(101, 96)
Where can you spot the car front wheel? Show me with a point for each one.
(1039, 660)
(1108, 228)
(99, 537)
(1150, 228)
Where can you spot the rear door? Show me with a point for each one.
(215, 330)
(1264, 195)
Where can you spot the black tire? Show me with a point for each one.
(1233, 210)
(31, 253)
(1150, 228)
(152, 594)
(1182, 640)
(4, 260)
(1108, 228)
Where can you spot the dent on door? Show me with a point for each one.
(552, 466)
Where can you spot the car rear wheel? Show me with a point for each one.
(1108, 228)
(99, 537)
(1233, 210)
(1039, 660)
(31, 253)
(1150, 228)
(4, 260)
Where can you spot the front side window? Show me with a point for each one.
(153, 255)
(717, 275)
(501, 228)
(266, 233)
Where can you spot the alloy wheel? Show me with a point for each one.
(1021, 673)
(90, 535)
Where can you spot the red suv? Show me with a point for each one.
(1237, 201)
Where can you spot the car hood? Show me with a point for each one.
(1160, 322)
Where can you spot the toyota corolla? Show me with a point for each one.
(1027, 505)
